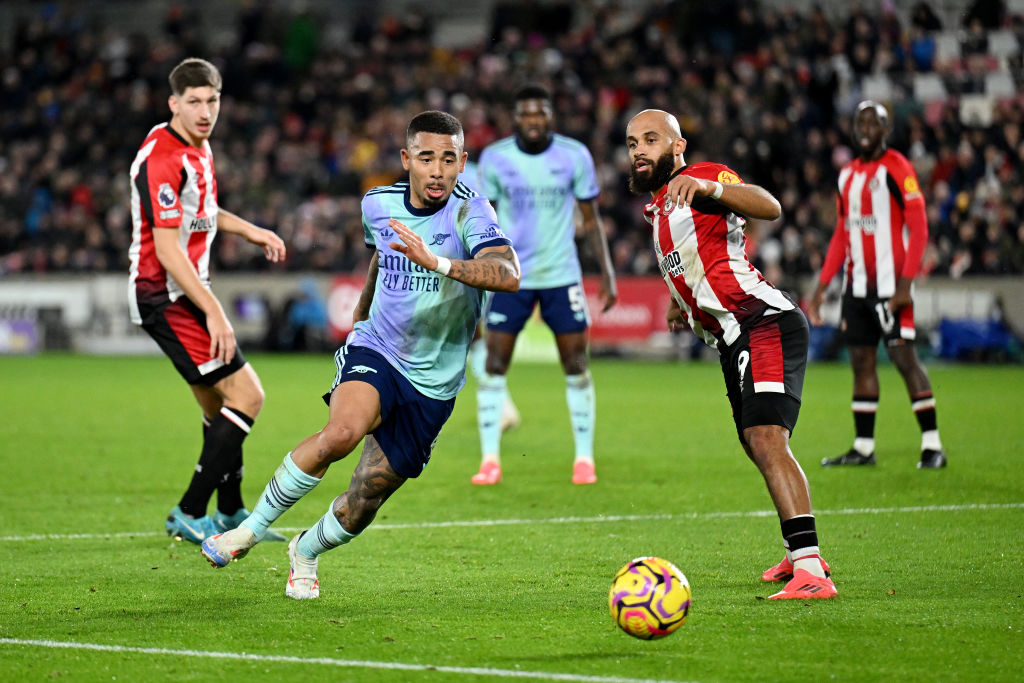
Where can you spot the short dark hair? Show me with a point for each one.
(532, 91)
(194, 73)
(437, 122)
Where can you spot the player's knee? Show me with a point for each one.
(335, 442)
(575, 366)
(256, 398)
(496, 366)
(765, 443)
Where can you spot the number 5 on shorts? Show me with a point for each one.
(577, 301)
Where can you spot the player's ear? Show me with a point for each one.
(172, 103)
(405, 159)
(462, 161)
(679, 146)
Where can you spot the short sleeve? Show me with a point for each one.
(478, 229)
(585, 185)
(716, 172)
(368, 210)
(488, 183)
(159, 184)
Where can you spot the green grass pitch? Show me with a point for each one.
(461, 583)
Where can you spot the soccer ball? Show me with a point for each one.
(649, 598)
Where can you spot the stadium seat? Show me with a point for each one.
(976, 110)
(999, 85)
(1003, 43)
(877, 87)
(947, 46)
(929, 88)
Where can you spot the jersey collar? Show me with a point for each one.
(419, 212)
(519, 144)
(176, 136)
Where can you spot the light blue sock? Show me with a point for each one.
(490, 396)
(324, 535)
(284, 490)
(478, 359)
(579, 394)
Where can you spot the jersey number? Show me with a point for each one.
(741, 365)
(577, 301)
(885, 317)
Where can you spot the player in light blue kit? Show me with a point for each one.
(437, 245)
(537, 178)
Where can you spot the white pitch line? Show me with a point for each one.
(328, 661)
(600, 519)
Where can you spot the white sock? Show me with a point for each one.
(579, 394)
(478, 358)
(808, 559)
(864, 445)
(490, 396)
(930, 440)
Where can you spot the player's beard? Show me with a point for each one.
(658, 176)
(432, 203)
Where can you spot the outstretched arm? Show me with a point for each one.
(493, 268)
(272, 245)
(751, 201)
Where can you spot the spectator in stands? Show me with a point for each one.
(308, 139)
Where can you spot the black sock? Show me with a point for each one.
(229, 492)
(864, 409)
(799, 532)
(222, 448)
(924, 411)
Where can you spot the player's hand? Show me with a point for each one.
(814, 308)
(415, 249)
(272, 245)
(674, 317)
(222, 337)
(608, 294)
(683, 188)
(901, 297)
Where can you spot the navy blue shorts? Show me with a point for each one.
(410, 421)
(764, 371)
(564, 309)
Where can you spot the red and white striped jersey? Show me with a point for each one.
(173, 185)
(702, 255)
(881, 227)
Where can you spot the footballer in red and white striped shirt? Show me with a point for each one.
(880, 237)
(175, 218)
(697, 216)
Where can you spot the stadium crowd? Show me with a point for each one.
(315, 113)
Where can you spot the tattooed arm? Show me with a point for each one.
(362, 310)
(493, 268)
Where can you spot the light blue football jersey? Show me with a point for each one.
(420, 321)
(470, 177)
(536, 196)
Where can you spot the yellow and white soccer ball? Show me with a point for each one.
(649, 598)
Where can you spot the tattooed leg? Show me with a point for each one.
(373, 482)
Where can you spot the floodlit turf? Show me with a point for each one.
(461, 583)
